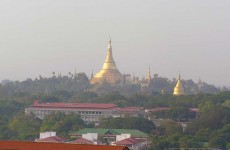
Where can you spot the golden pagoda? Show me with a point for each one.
(109, 71)
(178, 90)
(148, 76)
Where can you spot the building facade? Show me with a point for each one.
(89, 112)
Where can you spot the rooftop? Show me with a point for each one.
(129, 141)
(22, 145)
(74, 105)
(131, 109)
(52, 139)
(82, 141)
(111, 131)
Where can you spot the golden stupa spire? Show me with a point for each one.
(178, 90)
(109, 62)
(148, 77)
(109, 71)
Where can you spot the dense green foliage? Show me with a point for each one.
(74, 84)
(138, 123)
(28, 127)
(25, 126)
(62, 124)
(175, 113)
(152, 101)
(61, 86)
(154, 86)
(213, 126)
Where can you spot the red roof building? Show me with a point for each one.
(129, 111)
(73, 105)
(89, 112)
(129, 141)
(133, 143)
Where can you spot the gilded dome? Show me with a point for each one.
(178, 90)
(109, 71)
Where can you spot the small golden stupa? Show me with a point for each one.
(178, 90)
(148, 76)
(109, 71)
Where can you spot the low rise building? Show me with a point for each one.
(50, 137)
(89, 112)
(109, 136)
(53, 139)
(133, 144)
(94, 112)
(129, 112)
(43, 135)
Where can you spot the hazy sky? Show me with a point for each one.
(191, 37)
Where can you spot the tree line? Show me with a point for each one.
(75, 84)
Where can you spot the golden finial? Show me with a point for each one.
(110, 43)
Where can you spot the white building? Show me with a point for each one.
(89, 112)
(46, 134)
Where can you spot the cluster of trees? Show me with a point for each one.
(155, 86)
(75, 84)
(209, 128)
(8, 109)
(213, 125)
(137, 123)
(152, 101)
(181, 114)
(28, 127)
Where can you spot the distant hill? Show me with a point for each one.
(77, 83)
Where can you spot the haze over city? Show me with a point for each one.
(171, 37)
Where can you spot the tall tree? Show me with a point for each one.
(25, 126)
(62, 123)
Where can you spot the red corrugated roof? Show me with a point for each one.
(22, 145)
(74, 105)
(131, 108)
(129, 141)
(82, 141)
(167, 108)
(52, 139)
